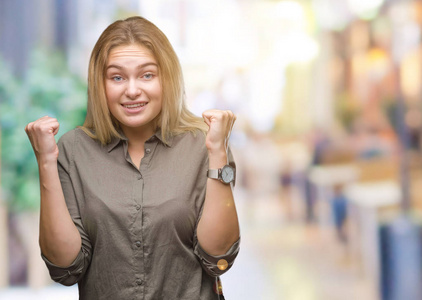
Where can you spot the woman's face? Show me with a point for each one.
(133, 88)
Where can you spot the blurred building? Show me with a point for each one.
(68, 26)
(27, 25)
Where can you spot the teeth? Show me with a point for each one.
(135, 105)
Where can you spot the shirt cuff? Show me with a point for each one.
(66, 275)
(217, 265)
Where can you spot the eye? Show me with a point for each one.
(148, 76)
(117, 78)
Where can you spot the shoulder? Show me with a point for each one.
(66, 143)
(189, 147)
(190, 140)
(73, 136)
(75, 144)
(67, 137)
(75, 139)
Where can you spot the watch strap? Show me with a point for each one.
(212, 173)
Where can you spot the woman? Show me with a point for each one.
(127, 208)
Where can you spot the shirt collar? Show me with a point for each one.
(157, 135)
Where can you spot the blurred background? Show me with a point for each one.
(327, 142)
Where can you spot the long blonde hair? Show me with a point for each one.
(174, 117)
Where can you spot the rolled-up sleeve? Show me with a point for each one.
(216, 265)
(74, 272)
(71, 274)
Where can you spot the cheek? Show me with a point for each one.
(107, 91)
(111, 93)
(111, 100)
(158, 92)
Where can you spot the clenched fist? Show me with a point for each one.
(220, 124)
(41, 135)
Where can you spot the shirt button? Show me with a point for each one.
(138, 207)
(147, 150)
(139, 177)
(138, 244)
(139, 282)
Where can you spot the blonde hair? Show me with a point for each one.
(174, 117)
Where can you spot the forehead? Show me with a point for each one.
(133, 51)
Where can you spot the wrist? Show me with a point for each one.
(47, 161)
(217, 159)
(216, 146)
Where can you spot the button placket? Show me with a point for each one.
(149, 149)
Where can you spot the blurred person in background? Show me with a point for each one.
(339, 211)
(320, 144)
(138, 202)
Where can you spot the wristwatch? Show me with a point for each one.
(225, 174)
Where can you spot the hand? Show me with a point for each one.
(41, 135)
(220, 124)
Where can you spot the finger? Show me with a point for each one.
(227, 120)
(31, 125)
(42, 126)
(210, 113)
(27, 127)
(52, 125)
(230, 129)
(233, 120)
(206, 120)
(209, 116)
(56, 130)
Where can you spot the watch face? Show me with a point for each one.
(227, 174)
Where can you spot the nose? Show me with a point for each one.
(133, 90)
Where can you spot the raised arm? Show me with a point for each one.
(218, 228)
(59, 239)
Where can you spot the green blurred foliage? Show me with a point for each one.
(47, 88)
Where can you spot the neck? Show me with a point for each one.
(138, 136)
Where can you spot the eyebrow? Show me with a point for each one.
(138, 67)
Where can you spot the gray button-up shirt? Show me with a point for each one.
(138, 226)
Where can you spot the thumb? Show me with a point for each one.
(207, 118)
(55, 129)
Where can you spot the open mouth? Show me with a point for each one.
(133, 106)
